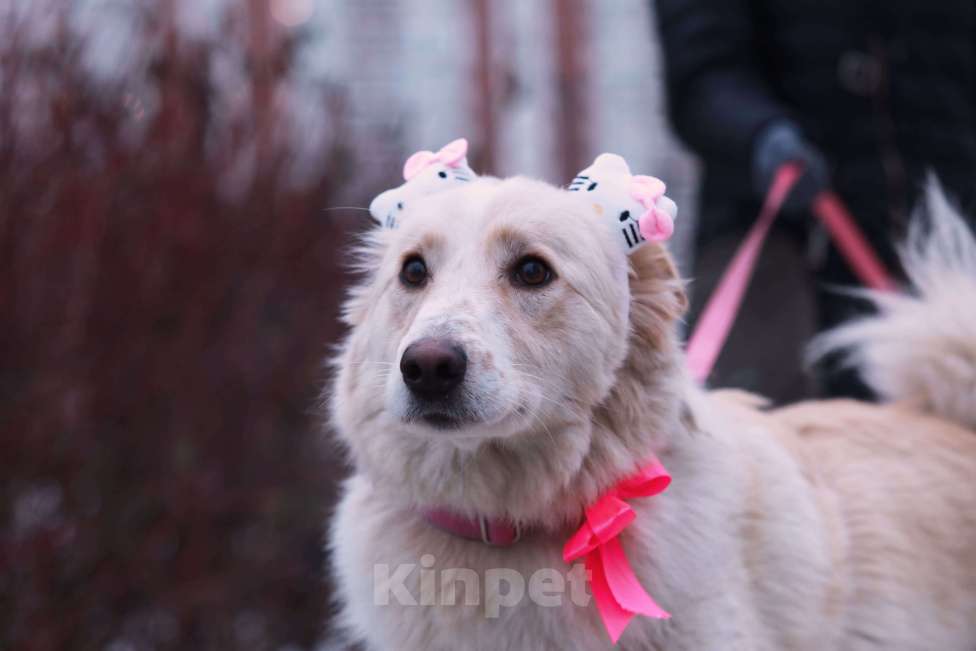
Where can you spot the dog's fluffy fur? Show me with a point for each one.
(826, 525)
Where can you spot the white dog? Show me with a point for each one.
(508, 362)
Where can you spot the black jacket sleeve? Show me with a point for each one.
(717, 99)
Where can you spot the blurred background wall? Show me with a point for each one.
(177, 189)
(539, 88)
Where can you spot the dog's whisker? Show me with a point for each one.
(378, 384)
(534, 414)
(332, 208)
(563, 405)
(530, 375)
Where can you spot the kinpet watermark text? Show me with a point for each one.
(413, 584)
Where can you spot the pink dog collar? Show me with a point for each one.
(618, 594)
(491, 531)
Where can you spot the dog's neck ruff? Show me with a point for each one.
(618, 594)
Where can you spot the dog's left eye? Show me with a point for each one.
(532, 272)
(414, 271)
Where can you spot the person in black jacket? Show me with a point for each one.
(868, 95)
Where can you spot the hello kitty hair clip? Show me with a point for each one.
(426, 172)
(634, 205)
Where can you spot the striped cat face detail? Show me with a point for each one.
(633, 205)
(425, 172)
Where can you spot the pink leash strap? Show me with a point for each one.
(716, 321)
(713, 327)
(849, 239)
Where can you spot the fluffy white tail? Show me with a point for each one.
(922, 347)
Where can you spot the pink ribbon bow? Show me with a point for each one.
(450, 154)
(618, 594)
(655, 224)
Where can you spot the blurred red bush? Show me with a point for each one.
(163, 317)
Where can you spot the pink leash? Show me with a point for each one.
(713, 327)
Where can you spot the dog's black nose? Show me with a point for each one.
(432, 367)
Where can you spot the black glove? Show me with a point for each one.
(782, 142)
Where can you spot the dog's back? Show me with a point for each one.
(896, 481)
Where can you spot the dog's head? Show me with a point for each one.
(494, 320)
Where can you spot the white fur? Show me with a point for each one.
(922, 347)
(826, 526)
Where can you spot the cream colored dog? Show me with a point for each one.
(506, 359)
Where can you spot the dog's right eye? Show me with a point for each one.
(414, 271)
(531, 272)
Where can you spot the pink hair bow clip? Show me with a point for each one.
(656, 224)
(452, 155)
(426, 173)
(633, 205)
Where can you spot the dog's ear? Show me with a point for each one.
(658, 297)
